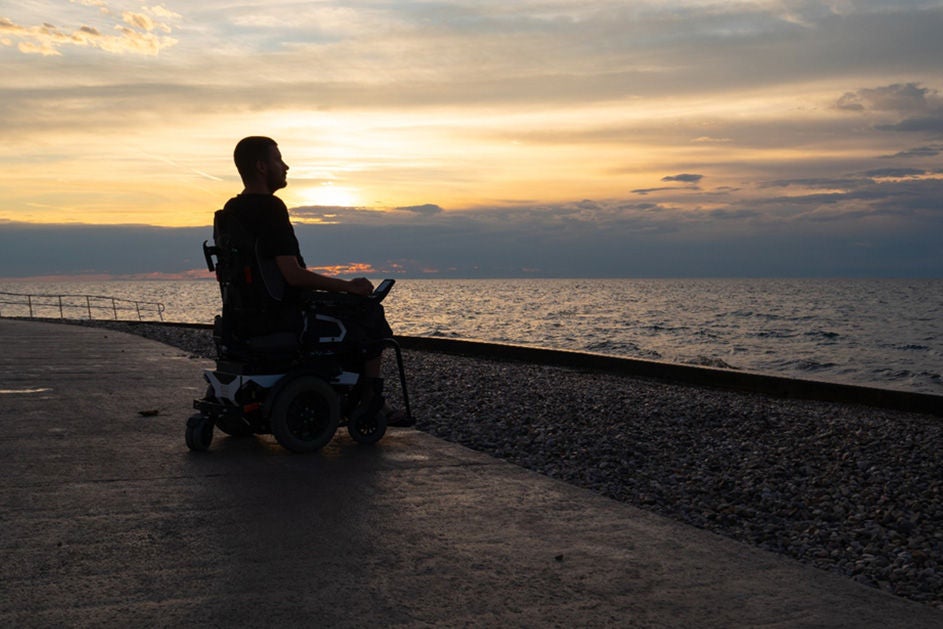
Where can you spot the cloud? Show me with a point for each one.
(426, 209)
(350, 268)
(814, 182)
(136, 37)
(36, 250)
(919, 151)
(336, 214)
(101, 4)
(898, 98)
(878, 173)
(706, 139)
(684, 177)
(138, 20)
(917, 109)
(645, 191)
(735, 214)
(562, 52)
(865, 203)
(932, 124)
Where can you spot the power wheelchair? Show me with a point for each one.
(297, 388)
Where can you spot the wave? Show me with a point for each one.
(708, 361)
(807, 365)
(823, 334)
(775, 334)
(438, 333)
(912, 347)
(622, 348)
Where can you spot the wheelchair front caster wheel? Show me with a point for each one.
(367, 428)
(199, 433)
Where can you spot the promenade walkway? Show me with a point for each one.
(108, 520)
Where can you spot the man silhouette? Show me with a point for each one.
(265, 216)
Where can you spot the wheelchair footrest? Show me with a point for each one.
(216, 409)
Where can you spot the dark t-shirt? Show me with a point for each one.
(266, 216)
(275, 305)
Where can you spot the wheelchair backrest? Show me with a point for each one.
(251, 288)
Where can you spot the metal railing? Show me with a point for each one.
(45, 306)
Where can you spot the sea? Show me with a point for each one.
(885, 333)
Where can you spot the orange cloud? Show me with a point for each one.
(352, 268)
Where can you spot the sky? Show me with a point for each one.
(544, 138)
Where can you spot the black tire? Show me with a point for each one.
(367, 428)
(234, 426)
(305, 414)
(199, 433)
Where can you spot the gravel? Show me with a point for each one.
(850, 489)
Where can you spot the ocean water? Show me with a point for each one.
(884, 333)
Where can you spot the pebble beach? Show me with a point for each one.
(850, 489)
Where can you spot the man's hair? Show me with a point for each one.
(249, 151)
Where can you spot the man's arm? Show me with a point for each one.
(298, 276)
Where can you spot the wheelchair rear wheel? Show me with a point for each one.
(305, 414)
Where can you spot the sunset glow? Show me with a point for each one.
(328, 194)
(602, 116)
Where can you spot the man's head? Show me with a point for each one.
(260, 164)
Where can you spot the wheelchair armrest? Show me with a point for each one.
(320, 298)
(278, 342)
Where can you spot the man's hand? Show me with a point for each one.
(360, 286)
(296, 275)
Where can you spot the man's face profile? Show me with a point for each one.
(276, 170)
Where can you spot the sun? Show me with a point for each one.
(328, 194)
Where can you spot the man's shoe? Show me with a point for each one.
(397, 418)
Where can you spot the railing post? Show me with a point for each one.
(29, 300)
(137, 305)
(61, 314)
(88, 306)
(114, 307)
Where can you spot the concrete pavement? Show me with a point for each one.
(108, 520)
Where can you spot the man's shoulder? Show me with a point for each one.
(255, 202)
(258, 212)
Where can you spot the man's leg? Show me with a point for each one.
(371, 367)
(373, 329)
